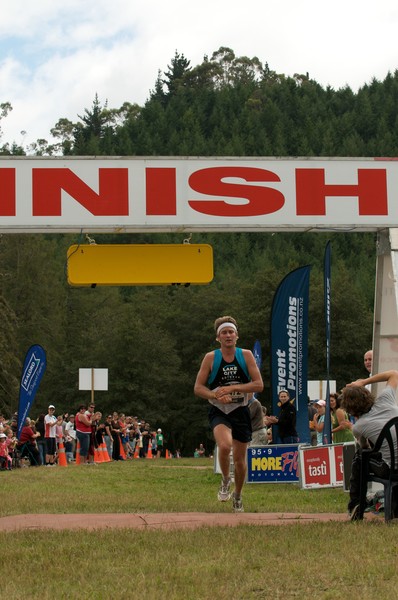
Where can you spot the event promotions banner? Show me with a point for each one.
(272, 464)
(289, 345)
(32, 373)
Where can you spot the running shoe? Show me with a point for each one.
(224, 493)
(354, 514)
(237, 504)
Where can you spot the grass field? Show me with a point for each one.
(326, 560)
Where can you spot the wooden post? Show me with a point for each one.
(92, 386)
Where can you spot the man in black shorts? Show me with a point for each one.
(227, 378)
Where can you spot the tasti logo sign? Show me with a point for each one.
(216, 194)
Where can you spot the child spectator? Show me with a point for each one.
(11, 442)
(319, 421)
(3, 452)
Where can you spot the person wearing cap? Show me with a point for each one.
(319, 421)
(159, 443)
(50, 422)
(227, 377)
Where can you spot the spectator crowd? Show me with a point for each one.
(79, 435)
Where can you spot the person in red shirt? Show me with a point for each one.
(83, 432)
(3, 452)
(27, 444)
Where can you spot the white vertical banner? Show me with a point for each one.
(385, 330)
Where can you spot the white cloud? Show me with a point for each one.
(56, 56)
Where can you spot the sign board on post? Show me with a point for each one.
(93, 379)
(321, 466)
(139, 264)
(317, 389)
(272, 464)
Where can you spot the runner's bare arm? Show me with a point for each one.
(391, 377)
(200, 388)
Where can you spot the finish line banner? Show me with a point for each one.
(289, 345)
(272, 464)
(33, 370)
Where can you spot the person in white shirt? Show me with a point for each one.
(70, 438)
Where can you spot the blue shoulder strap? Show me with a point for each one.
(217, 362)
(216, 365)
(241, 360)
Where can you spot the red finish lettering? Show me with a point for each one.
(111, 200)
(7, 193)
(260, 200)
(161, 191)
(311, 192)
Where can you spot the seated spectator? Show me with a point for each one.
(11, 442)
(371, 415)
(3, 452)
(27, 444)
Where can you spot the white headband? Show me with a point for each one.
(223, 325)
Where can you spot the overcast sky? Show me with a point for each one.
(56, 55)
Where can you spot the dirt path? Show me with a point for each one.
(162, 520)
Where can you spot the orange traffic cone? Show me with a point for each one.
(137, 451)
(77, 461)
(105, 455)
(149, 455)
(98, 455)
(122, 451)
(61, 455)
(167, 454)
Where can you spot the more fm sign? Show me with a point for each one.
(218, 194)
(312, 467)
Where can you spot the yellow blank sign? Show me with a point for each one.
(139, 264)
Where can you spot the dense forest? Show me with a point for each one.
(152, 339)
